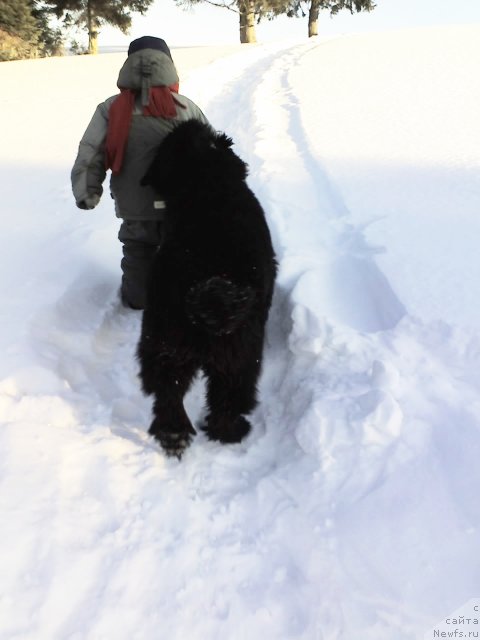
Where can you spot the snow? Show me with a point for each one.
(352, 509)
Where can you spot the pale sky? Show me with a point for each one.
(210, 25)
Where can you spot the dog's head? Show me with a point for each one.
(193, 154)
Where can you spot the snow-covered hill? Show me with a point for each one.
(352, 510)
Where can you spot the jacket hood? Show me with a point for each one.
(147, 68)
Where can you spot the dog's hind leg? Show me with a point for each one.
(171, 426)
(231, 395)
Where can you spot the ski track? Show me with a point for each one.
(332, 423)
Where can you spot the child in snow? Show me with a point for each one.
(122, 136)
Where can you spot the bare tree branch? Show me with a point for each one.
(223, 5)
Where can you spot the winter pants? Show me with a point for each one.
(140, 239)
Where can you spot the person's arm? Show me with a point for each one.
(88, 172)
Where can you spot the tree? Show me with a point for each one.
(25, 30)
(19, 30)
(247, 18)
(334, 6)
(249, 12)
(50, 38)
(93, 14)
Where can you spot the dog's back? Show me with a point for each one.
(215, 230)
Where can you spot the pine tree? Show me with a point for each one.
(50, 38)
(19, 31)
(25, 30)
(93, 14)
(334, 6)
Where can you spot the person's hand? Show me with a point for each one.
(90, 202)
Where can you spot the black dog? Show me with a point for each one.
(210, 288)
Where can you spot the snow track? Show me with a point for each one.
(320, 251)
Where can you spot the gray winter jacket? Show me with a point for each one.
(132, 201)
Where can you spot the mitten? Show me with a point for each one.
(90, 202)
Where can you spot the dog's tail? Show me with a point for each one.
(218, 305)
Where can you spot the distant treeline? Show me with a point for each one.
(39, 28)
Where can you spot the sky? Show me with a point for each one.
(210, 25)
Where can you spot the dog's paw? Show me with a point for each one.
(173, 443)
(226, 429)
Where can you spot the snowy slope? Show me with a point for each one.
(352, 511)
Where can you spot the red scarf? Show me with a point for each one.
(162, 104)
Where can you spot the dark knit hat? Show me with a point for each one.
(149, 42)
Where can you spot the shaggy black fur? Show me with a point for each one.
(210, 288)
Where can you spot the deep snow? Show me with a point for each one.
(352, 511)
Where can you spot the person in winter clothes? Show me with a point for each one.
(123, 136)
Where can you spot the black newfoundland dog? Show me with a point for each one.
(210, 288)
